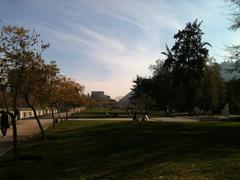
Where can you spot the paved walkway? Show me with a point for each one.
(25, 129)
(175, 119)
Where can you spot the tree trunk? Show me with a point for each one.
(53, 117)
(38, 121)
(59, 114)
(66, 115)
(4, 98)
(35, 115)
(14, 127)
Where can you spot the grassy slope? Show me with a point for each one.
(127, 150)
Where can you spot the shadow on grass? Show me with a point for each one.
(122, 150)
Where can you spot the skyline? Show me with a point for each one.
(104, 46)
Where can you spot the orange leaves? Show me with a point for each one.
(28, 74)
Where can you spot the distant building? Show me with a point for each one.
(125, 101)
(99, 95)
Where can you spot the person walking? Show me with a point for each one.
(4, 123)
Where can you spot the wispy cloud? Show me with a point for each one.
(126, 19)
(102, 40)
(105, 44)
(105, 47)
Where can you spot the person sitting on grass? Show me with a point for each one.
(145, 117)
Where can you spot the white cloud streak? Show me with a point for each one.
(153, 20)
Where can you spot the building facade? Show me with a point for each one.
(99, 95)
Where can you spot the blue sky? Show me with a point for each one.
(104, 44)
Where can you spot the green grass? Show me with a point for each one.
(104, 109)
(129, 150)
(101, 113)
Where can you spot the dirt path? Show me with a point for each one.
(25, 129)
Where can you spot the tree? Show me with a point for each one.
(69, 95)
(234, 50)
(213, 88)
(48, 96)
(186, 60)
(233, 87)
(18, 47)
(163, 90)
(4, 82)
(142, 93)
(35, 85)
(235, 14)
(62, 93)
(178, 81)
(233, 95)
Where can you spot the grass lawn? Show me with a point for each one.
(102, 113)
(130, 150)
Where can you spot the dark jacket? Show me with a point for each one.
(4, 119)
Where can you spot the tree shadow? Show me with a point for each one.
(121, 149)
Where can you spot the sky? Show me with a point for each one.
(105, 44)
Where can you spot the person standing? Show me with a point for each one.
(4, 123)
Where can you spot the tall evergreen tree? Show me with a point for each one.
(187, 61)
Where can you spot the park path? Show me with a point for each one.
(175, 119)
(25, 129)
